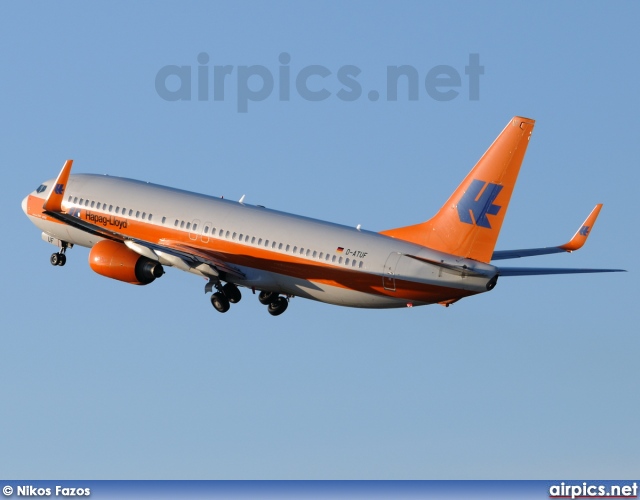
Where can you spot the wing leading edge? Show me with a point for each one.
(536, 271)
(173, 253)
(575, 243)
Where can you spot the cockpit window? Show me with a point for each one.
(41, 188)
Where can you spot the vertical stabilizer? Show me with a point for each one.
(469, 223)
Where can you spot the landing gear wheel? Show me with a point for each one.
(232, 293)
(278, 306)
(267, 298)
(220, 302)
(58, 259)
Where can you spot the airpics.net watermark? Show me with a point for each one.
(312, 82)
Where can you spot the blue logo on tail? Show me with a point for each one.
(584, 231)
(478, 201)
(59, 189)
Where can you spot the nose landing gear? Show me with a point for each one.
(59, 258)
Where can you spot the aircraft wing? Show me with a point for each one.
(574, 243)
(174, 253)
(185, 257)
(535, 271)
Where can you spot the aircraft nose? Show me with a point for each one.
(24, 204)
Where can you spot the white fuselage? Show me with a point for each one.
(274, 251)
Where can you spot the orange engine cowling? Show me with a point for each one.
(115, 260)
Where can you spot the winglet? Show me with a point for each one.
(53, 203)
(582, 234)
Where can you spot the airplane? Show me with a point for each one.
(134, 229)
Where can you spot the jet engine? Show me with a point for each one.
(114, 260)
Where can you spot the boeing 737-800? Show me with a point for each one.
(135, 228)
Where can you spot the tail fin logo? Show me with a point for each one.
(477, 202)
(59, 189)
(584, 231)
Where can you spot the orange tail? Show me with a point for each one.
(469, 223)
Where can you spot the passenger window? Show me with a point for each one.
(280, 246)
(308, 252)
(253, 240)
(176, 223)
(117, 210)
(195, 226)
(93, 204)
(181, 224)
(273, 245)
(221, 232)
(86, 203)
(360, 265)
(340, 260)
(233, 236)
(314, 254)
(301, 251)
(70, 198)
(240, 237)
(295, 249)
(287, 249)
(164, 219)
(81, 200)
(110, 208)
(75, 200)
(206, 229)
(346, 262)
(333, 259)
(227, 235)
(137, 214)
(188, 225)
(144, 215)
(150, 216)
(130, 212)
(259, 241)
(246, 239)
(327, 257)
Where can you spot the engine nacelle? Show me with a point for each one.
(114, 260)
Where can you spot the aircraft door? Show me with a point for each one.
(193, 231)
(205, 232)
(389, 276)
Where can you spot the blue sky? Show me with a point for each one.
(537, 379)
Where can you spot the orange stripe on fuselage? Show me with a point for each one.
(34, 209)
(264, 259)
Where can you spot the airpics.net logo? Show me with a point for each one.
(208, 80)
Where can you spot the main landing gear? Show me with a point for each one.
(228, 294)
(59, 258)
(276, 304)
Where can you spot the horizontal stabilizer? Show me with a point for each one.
(574, 243)
(536, 271)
